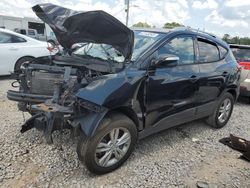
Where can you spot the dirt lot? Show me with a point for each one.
(178, 157)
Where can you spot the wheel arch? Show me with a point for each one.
(90, 123)
(233, 93)
(129, 112)
(29, 56)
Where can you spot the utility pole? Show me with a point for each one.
(127, 11)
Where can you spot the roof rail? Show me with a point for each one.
(199, 31)
(194, 30)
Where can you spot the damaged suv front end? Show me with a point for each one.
(77, 89)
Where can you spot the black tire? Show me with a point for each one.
(20, 62)
(86, 148)
(213, 120)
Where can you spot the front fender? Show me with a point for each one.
(113, 90)
(90, 122)
(110, 93)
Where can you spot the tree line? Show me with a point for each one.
(165, 26)
(236, 39)
(170, 25)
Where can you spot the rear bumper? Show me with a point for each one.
(26, 97)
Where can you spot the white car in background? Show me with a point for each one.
(16, 49)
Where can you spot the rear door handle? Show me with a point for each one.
(13, 48)
(193, 78)
(225, 73)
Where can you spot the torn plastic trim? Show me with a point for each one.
(90, 106)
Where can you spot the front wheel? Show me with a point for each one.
(110, 147)
(223, 111)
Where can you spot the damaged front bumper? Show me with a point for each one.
(26, 97)
(50, 116)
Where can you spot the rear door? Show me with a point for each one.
(171, 91)
(214, 71)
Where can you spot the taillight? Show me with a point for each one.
(50, 49)
(245, 65)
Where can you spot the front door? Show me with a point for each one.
(172, 91)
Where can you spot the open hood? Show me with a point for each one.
(98, 26)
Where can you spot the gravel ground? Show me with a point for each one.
(178, 157)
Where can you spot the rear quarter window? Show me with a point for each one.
(223, 52)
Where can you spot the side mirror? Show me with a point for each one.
(166, 60)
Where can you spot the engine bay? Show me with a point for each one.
(44, 78)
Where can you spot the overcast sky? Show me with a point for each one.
(216, 16)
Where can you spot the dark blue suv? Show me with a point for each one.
(114, 85)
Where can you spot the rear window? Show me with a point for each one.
(241, 53)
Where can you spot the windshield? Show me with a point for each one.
(142, 41)
(102, 51)
(241, 53)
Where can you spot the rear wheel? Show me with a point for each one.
(21, 62)
(110, 147)
(222, 112)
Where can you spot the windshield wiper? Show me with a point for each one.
(107, 53)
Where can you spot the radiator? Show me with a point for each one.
(43, 82)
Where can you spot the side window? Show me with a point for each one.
(208, 51)
(182, 47)
(8, 38)
(4, 38)
(16, 39)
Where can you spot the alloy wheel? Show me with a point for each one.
(224, 110)
(112, 147)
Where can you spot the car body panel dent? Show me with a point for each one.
(112, 90)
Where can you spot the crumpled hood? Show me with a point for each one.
(98, 26)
